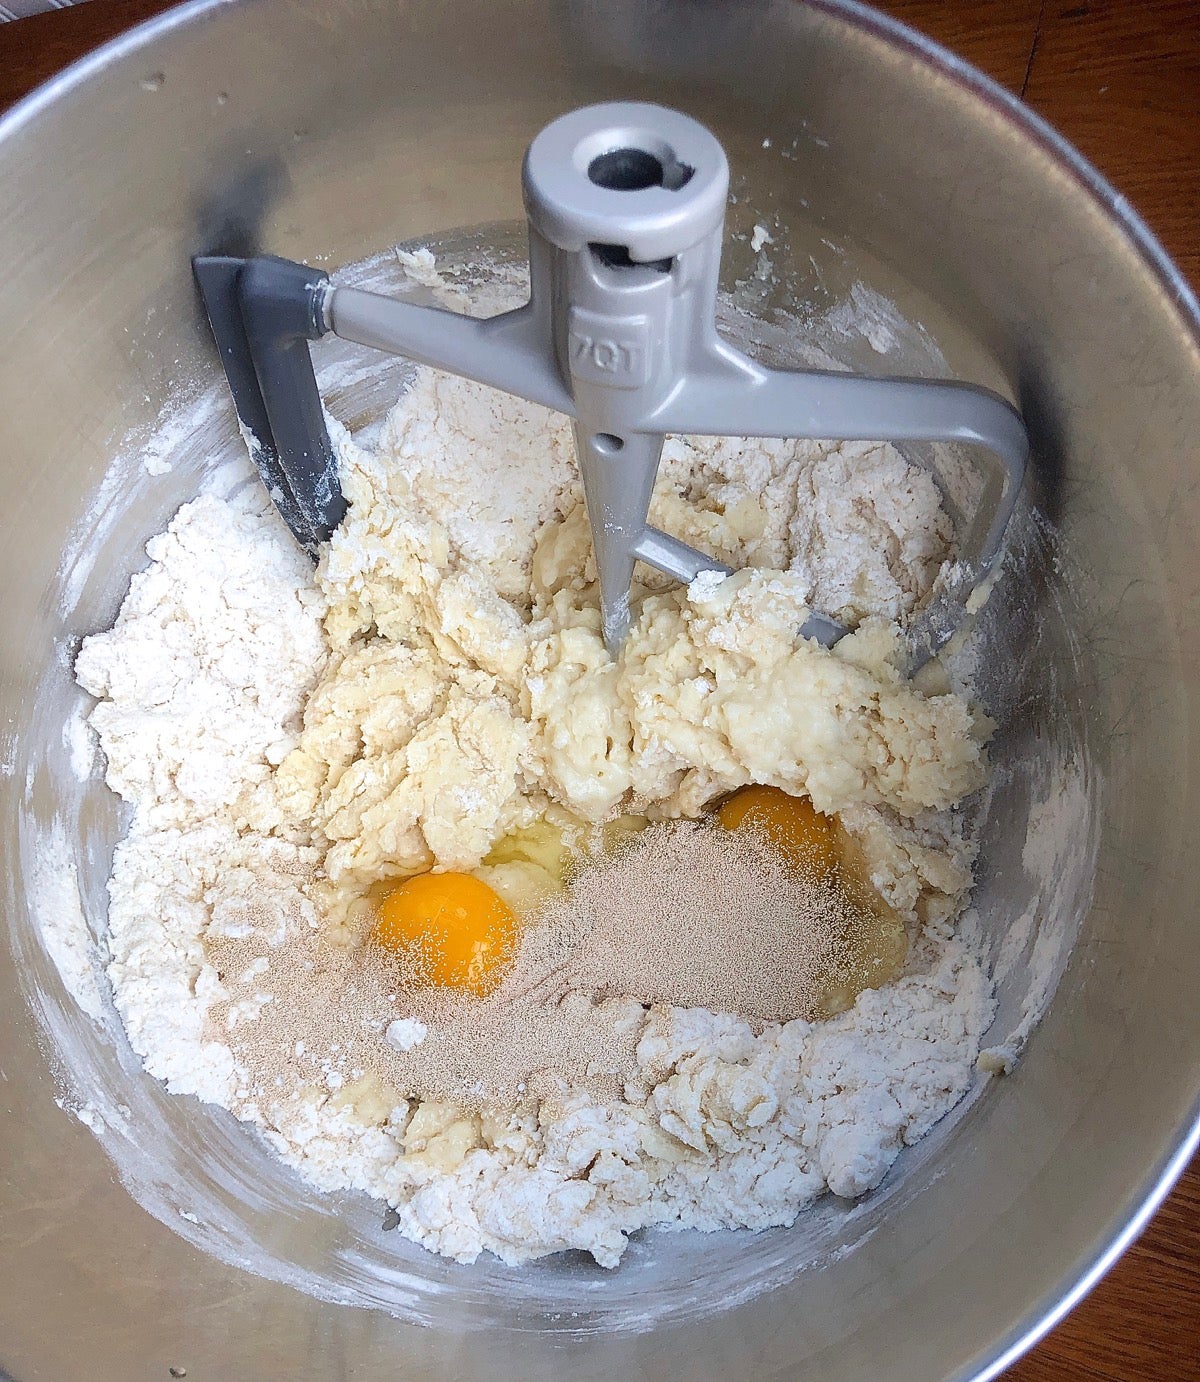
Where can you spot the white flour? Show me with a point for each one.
(256, 718)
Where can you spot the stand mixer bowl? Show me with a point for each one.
(141, 1232)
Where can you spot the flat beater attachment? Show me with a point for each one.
(626, 206)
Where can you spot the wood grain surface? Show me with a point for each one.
(1121, 79)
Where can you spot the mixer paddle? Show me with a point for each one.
(626, 205)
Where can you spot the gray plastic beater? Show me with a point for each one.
(626, 204)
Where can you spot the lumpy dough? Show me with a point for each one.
(469, 684)
(442, 685)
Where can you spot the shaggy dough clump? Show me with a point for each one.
(288, 743)
(469, 685)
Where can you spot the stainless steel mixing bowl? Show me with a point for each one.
(140, 1232)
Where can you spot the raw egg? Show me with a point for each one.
(873, 945)
(804, 837)
(452, 929)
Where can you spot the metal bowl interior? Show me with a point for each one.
(884, 169)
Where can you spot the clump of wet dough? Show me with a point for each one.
(459, 701)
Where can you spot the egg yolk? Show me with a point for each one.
(803, 837)
(456, 931)
(874, 944)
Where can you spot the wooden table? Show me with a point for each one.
(1121, 79)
